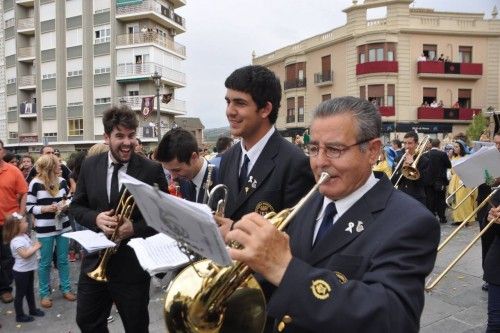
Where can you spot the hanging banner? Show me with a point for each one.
(166, 98)
(147, 106)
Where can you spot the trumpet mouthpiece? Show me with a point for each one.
(323, 178)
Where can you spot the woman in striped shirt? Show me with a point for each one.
(46, 201)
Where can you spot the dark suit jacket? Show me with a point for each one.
(189, 193)
(282, 177)
(385, 265)
(414, 188)
(439, 163)
(91, 198)
(491, 266)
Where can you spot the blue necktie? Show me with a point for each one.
(327, 221)
(243, 172)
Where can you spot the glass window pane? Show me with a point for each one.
(380, 54)
(372, 55)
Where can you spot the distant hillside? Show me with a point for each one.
(212, 134)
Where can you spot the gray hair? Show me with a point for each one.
(366, 114)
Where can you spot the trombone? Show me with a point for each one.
(411, 171)
(432, 284)
(449, 199)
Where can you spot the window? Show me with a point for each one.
(326, 97)
(102, 35)
(362, 58)
(12, 135)
(102, 70)
(13, 80)
(49, 76)
(290, 110)
(50, 135)
(133, 93)
(390, 55)
(104, 100)
(465, 54)
(75, 73)
(75, 127)
(390, 95)
(429, 96)
(300, 104)
(362, 92)
(430, 52)
(376, 94)
(12, 108)
(75, 104)
(464, 98)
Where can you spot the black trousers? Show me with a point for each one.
(6, 264)
(436, 201)
(95, 299)
(488, 237)
(24, 288)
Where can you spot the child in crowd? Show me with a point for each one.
(24, 252)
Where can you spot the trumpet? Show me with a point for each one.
(207, 298)
(487, 200)
(208, 183)
(221, 203)
(411, 171)
(123, 211)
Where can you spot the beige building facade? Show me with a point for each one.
(394, 61)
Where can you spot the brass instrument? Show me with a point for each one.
(221, 203)
(123, 211)
(208, 183)
(207, 298)
(411, 171)
(449, 199)
(432, 284)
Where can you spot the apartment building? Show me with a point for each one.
(393, 61)
(66, 61)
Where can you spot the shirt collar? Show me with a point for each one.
(344, 204)
(198, 179)
(254, 152)
(112, 160)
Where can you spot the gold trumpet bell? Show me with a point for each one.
(186, 310)
(410, 172)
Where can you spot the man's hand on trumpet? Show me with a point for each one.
(107, 221)
(494, 213)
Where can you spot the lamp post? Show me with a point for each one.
(157, 80)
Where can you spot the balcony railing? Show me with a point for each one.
(138, 9)
(447, 113)
(300, 118)
(377, 67)
(26, 52)
(297, 83)
(323, 78)
(151, 37)
(449, 69)
(387, 111)
(290, 118)
(27, 81)
(26, 24)
(145, 70)
(175, 106)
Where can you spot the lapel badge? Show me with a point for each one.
(284, 321)
(321, 289)
(252, 181)
(342, 278)
(246, 189)
(349, 228)
(360, 227)
(263, 208)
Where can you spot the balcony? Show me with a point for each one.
(142, 72)
(178, 3)
(175, 107)
(26, 3)
(27, 82)
(449, 70)
(295, 84)
(26, 54)
(387, 111)
(26, 26)
(150, 10)
(27, 110)
(323, 79)
(151, 37)
(461, 114)
(290, 118)
(377, 67)
(28, 138)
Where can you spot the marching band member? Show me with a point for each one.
(96, 197)
(354, 260)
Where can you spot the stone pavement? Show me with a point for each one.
(456, 305)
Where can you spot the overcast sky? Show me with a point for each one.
(222, 34)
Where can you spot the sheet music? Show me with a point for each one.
(90, 240)
(472, 168)
(158, 253)
(187, 222)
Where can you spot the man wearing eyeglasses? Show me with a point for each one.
(48, 150)
(356, 255)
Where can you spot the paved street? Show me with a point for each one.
(456, 305)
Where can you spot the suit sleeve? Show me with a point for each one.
(389, 297)
(80, 203)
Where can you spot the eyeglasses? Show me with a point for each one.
(332, 151)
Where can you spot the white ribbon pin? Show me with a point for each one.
(349, 228)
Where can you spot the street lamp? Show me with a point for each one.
(157, 80)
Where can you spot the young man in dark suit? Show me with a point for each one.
(435, 189)
(93, 206)
(354, 259)
(264, 172)
(178, 152)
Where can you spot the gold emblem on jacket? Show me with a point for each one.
(263, 208)
(321, 289)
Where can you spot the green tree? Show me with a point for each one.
(477, 127)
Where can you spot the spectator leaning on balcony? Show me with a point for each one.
(434, 104)
(441, 57)
(440, 104)
(422, 58)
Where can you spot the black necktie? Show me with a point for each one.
(243, 172)
(193, 191)
(114, 191)
(327, 221)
